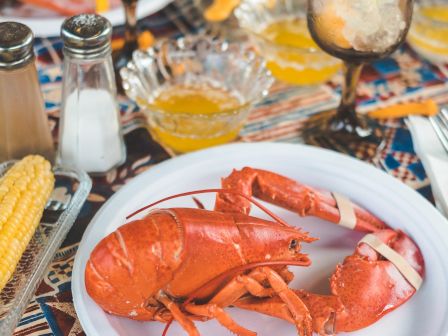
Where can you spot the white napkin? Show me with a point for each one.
(433, 156)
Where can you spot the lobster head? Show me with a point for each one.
(268, 241)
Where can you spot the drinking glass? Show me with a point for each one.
(279, 31)
(357, 32)
(123, 56)
(428, 35)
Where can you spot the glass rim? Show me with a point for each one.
(225, 50)
(310, 50)
(251, 30)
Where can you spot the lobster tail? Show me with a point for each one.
(131, 264)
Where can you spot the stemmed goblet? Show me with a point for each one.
(357, 32)
(124, 55)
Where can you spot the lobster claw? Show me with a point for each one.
(365, 287)
(292, 195)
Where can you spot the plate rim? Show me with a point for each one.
(51, 28)
(441, 222)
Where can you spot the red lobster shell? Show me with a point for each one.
(188, 264)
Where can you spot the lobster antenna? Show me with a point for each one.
(207, 191)
(165, 331)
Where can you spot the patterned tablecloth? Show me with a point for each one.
(278, 118)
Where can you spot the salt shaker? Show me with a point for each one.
(24, 125)
(90, 135)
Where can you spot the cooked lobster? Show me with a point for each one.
(188, 264)
(69, 7)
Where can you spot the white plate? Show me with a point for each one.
(46, 27)
(425, 314)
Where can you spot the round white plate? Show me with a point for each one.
(47, 27)
(400, 206)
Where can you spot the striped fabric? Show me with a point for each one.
(279, 118)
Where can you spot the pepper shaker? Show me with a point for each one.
(90, 136)
(24, 125)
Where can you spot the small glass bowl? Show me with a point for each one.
(428, 35)
(287, 62)
(199, 62)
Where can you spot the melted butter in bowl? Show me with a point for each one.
(280, 33)
(196, 92)
(195, 116)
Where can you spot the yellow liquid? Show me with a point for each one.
(192, 117)
(431, 39)
(290, 64)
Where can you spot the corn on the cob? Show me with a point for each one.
(24, 191)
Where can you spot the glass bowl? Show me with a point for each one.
(279, 31)
(428, 35)
(196, 91)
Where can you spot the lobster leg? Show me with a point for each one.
(252, 284)
(237, 287)
(177, 314)
(289, 194)
(242, 285)
(212, 310)
(297, 308)
(323, 309)
(254, 287)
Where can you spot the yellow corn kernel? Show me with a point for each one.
(24, 191)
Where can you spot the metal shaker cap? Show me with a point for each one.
(86, 36)
(16, 45)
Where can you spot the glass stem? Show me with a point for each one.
(130, 35)
(352, 73)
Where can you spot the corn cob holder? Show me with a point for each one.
(29, 237)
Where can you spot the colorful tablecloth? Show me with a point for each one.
(278, 118)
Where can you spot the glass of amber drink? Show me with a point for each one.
(279, 30)
(429, 31)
